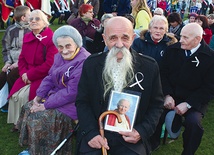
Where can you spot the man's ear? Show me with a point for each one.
(198, 38)
(104, 38)
(133, 37)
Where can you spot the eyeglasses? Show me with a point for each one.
(34, 18)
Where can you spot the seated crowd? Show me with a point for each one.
(58, 79)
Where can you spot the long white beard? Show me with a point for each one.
(117, 75)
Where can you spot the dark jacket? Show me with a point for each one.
(185, 79)
(146, 45)
(122, 7)
(211, 6)
(212, 28)
(98, 44)
(90, 102)
(177, 33)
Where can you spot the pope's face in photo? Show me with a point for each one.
(124, 107)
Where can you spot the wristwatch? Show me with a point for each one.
(188, 106)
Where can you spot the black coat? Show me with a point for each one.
(145, 45)
(98, 44)
(186, 81)
(90, 102)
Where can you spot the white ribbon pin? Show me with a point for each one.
(196, 61)
(40, 37)
(138, 81)
(67, 72)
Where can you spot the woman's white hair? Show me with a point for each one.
(157, 18)
(42, 15)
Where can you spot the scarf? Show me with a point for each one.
(174, 29)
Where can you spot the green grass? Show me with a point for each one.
(9, 141)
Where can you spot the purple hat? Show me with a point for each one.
(193, 14)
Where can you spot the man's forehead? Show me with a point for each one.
(185, 31)
(118, 35)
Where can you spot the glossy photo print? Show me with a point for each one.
(125, 105)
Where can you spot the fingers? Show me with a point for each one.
(35, 108)
(169, 102)
(179, 112)
(131, 137)
(97, 142)
(167, 106)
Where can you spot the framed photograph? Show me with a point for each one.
(125, 105)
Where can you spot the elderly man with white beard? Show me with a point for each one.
(124, 70)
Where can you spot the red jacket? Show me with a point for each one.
(162, 5)
(35, 59)
(207, 35)
(112, 120)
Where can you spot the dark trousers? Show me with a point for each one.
(10, 78)
(120, 150)
(117, 147)
(192, 134)
(54, 16)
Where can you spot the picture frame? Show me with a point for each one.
(126, 105)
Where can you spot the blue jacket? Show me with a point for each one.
(212, 43)
(146, 45)
(122, 6)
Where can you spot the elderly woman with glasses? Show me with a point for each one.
(51, 115)
(86, 24)
(35, 60)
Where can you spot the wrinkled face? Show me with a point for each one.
(66, 47)
(157, 30)
(134, 3)
(36, 23)
(191, 19)
(119, 35)
(123, 107)
(198, 21)
(188, 41)
(89, 14)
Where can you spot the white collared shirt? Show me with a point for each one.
(195, 49)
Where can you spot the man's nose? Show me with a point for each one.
(119, 43)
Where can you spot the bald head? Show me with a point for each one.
(191, 36)
(198, 31)
(119, 22)
(118, 32)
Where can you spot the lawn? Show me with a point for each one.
(9, 141)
